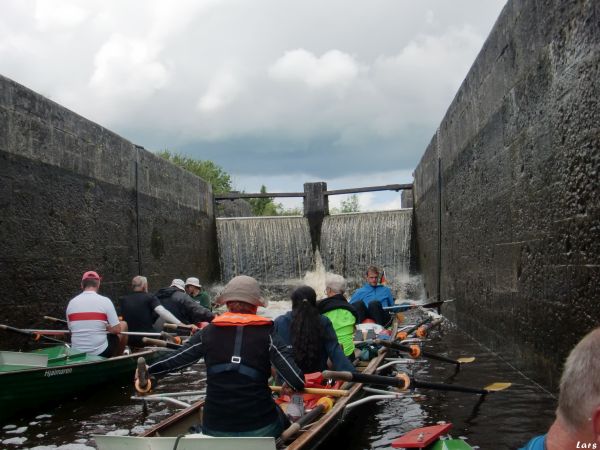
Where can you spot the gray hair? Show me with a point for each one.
(139, 282)
(580, 382)
(335, 282)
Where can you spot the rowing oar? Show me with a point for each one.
(407, 306)
(418, 329)
(324, 404)
(142, 383)
(403, 382)
(31, 333)
(160, 343)
(415, 351)
(125, 333)
(55, 319)
(318, 391)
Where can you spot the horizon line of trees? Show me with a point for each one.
(221, 183)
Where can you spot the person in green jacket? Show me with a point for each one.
(342, 314)
(194, 290)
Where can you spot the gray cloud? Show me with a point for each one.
(322, 89)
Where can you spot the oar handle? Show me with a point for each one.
(401, 381)
(305, 419)
(160, 343)
(143, 384)
(414, 350)
(55, 319)
(318, 391)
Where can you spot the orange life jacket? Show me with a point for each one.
(230, 319)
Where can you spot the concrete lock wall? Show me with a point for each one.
(75, 197)
(510, 185)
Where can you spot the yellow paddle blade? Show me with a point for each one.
(495, 387)
(466, 359)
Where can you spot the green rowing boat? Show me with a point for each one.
(29, 380)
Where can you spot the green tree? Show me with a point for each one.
(351, 204)
(264, 206)
(207, 170)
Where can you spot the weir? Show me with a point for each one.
(275, 249)
(266, 248)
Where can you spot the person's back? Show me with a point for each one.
(342, 315)
(93, 321)
(310, 335)
(238, 348)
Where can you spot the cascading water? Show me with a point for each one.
(277, 250)
(266, 248)
(352, 242)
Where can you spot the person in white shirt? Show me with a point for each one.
(93, 321)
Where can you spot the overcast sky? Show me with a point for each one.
(276, 92)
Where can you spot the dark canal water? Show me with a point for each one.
(502, 420)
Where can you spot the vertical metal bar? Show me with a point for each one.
(137, 210)
(439, 268)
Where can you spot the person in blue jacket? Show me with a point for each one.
(577, 423)
(309, 335)
(370, 299)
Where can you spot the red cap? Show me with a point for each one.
(90, 275)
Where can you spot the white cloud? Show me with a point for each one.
(56, 16)
(333, 68)
(126, 66)
(222, 90)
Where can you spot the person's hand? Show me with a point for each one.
(286, 390)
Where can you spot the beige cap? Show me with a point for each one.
(193, 281)
(178, 283)
(242, 289)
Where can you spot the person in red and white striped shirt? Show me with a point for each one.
(93, 321)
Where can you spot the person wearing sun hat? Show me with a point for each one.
(238, 348)
(194, 290)
(181, 305)
(93, 320)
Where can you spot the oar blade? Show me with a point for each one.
(466, 359)
(498, 386)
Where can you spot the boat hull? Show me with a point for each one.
(29, 389)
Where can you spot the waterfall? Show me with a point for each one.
(352, 242)
(266, 248)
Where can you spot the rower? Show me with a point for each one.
(577, 423)
(370, 299)
(181, 305)
(139, 308)
(238, 348)
(93, 321)
(342, 314)
(310, 335)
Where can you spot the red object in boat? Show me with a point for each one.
(421, 437)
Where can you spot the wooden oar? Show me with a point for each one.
(55, 319)
(30, 333)
(318, 391)
(323, 405)
(403, 381)
(160, 343)
(415, 351)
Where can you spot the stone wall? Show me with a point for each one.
(512, 232)
(75, 197)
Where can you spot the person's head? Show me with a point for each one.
(579, 397)
(372, 275)
(139, 284)
(334, 284)
(306, 330)
(90, 281)
(192, 286)
(242, 295)
(179, 284)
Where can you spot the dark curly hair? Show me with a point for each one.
(306, 330)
